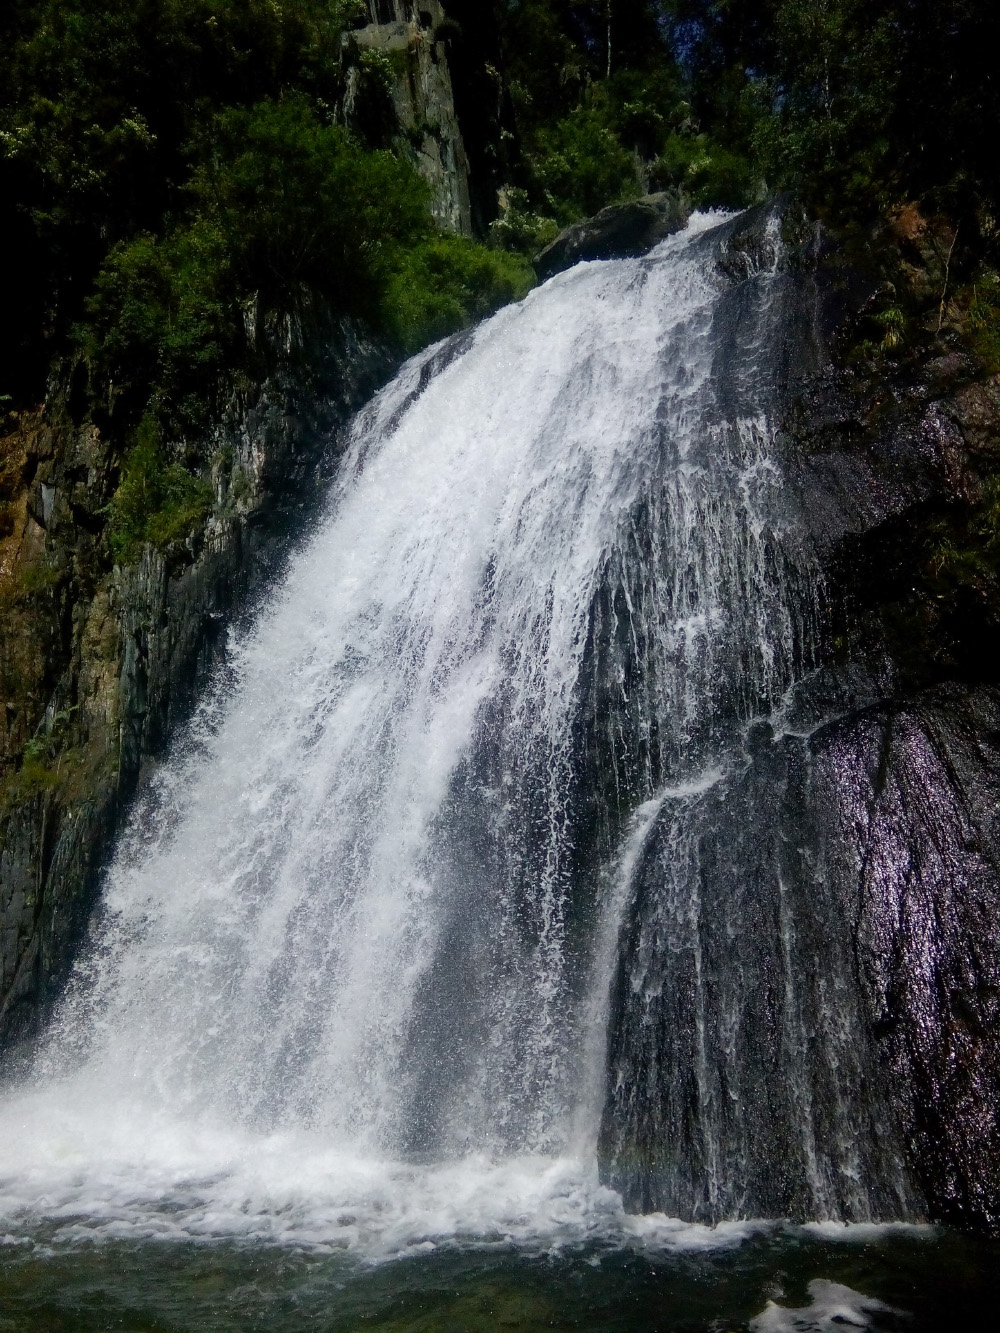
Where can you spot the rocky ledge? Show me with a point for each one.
(619, 232)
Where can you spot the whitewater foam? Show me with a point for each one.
(75, 1170)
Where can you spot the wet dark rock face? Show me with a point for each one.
(818, 1028)
(742, 1080)
(805, 1011)
(910, 798)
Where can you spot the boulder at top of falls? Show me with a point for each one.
(621, 231)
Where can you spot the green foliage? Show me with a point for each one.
(35, 776)
(642, 106)
(380, 68)
(987, 521)
(557, 52)
(181, 167)
(855, 107)
(100, 104)
(983, 320)
(40, 578)
(892, 322)
(599, 130)
(446, 282)
(373, 113)
(298, 202)
(580, 166)
(881, 332)
(519, 228)
(832, 78)
(962, 550)
(713, 175)
(156, 501)
(50, 763)
(179, 175)
(280, 203)
(161, 314)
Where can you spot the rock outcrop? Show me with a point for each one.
(619, 232)
(409, 38)
(840, 944)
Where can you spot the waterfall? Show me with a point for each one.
(366, 934)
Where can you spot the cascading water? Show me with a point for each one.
(350, 976)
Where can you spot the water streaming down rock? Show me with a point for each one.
(507, 698)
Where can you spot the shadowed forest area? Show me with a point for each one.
(167, 162)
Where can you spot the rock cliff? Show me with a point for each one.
(409, 36)
(100, 664)
(850, 865)
(620, 231)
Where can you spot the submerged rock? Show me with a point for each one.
(832, 1306)
(619, 232)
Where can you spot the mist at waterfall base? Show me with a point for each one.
(359, 985)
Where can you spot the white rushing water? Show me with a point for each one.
(348, 984)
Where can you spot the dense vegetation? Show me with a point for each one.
(168, 167)
(174, 171)
(601, 101)
(859, 109)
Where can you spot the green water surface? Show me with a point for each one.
(944, 1281)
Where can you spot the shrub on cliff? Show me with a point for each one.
(984, 319)
(157, 501)
(298, 201)
(581, 165)
(444, 283)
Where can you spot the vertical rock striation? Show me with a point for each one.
(100, 666)
(410, 36)
(804, 1009)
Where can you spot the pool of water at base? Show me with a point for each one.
(772, 1279)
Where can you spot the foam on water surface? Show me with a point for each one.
(833, 1308)
(74, 1170)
